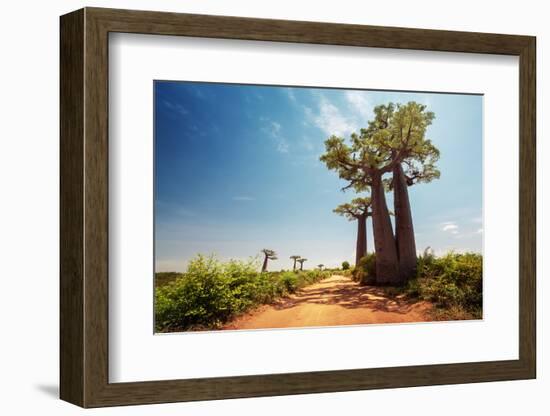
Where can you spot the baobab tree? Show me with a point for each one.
(268, 255)
(395, 138)
(320, 266)
(301, 261)
(357, 210)
(401, 129)
(295, 258)
(363, 165)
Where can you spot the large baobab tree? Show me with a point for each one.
(268, 255)
(394, 142)
(362, 164)
(295, 258)
(401, 129)
(357, 210)
(301, 261)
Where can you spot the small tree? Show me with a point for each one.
(295, 258)
(268, 255)
(301, 261)
(357, 210)
(345, 265)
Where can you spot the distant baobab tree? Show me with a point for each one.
(268, 255)
(295, 258)
(357, 210)
(320, 266)
(301, 261)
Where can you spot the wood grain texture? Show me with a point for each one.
(71, 100)
(527, 208)
(84, 207)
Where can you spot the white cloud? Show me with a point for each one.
(290, 94)
(333, 119)
(360, 104)
(330, 119)
(282, 146)
(450, 227)
(273, 129)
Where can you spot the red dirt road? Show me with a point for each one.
(333, 301)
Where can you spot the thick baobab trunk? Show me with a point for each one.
(404, 231)
(294, 268)
(264, 267)
(361, 247)
(387, 263)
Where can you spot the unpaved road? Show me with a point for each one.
(333, 301)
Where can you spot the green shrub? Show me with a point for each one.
(452, 282)
(365, 272)
(211, 292)
(163, 278)
(345, 265)
(289, 281)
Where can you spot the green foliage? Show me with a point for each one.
(453, 283)
(358, 207)
(345, 265)
(211, 292)
(289, 282)
(365, 273)
(163, 278)
(396, 134)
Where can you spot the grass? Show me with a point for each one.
(211, 292)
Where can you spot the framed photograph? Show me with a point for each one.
(254, 207)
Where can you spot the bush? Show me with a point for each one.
(345, 265)
(452, 282)
(212, 292)
(365, 273)
(208, 294)
(289, 281)
(163, 278)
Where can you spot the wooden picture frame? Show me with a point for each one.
(84, 207)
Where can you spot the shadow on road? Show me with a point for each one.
(344, 292)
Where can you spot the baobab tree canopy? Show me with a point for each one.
(270, 254)
(358, 207)
(400, 130)
(395, 135)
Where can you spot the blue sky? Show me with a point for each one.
(237, 169)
